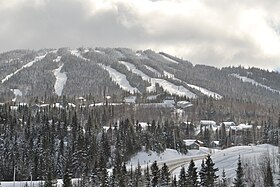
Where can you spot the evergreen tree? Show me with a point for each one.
(67, 178)
(165, 175)
(211, 176)
(174, 181)
(182, 178)
(239, 180)
(268, 177)
(155, 174)
(202, 174)
(223, 181)
(138, 175)
(147, 177)
(192, 175)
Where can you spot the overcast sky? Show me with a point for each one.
(213, 32)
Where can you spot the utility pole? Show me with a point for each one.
(14, 185)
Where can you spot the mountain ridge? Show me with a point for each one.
(122, 71)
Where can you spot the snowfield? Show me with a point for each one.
(224, 159)
(133, 69)
(29, 64)
(77, 53)
(227, 159)
(61, 79)
(169, 59)
(246, 79)
(167, 86)
(17, 92)
(153, 70)
(120, 79)
(206, 92)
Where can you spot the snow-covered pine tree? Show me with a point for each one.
(138, 175)
(182, 178)
(174, 182)
(67, 182)
(202, 174)
(211, 177)
(192, 175)
(165, 176)
(268, 177)
(147, 177)
(155, 174)
(223, 181)
(239, 180)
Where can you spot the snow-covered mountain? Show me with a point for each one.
(118, 71)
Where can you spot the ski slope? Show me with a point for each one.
(77, 53)
(246, 79)
(167, 86)
(61, 79)
(153, 70)
(29, 64)
(169, 59)
(120, 79)
(202, 90)
(206, 92)
(171, 88)
(133, 69)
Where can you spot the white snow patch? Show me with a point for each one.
(171, 88)
(168, 75)
(206, 92)
(133, 69)
(57, 59)
(17, 92)
(120, 79)
(29, 64)
(98, 51)
(227, 159)
(77, 53)
(167, 86)
(153, 70)
(169, 59)
(246, 79)
(61, 79)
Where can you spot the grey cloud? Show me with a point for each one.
(71, 23)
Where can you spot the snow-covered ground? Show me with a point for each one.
(17, 92)
(171, 88)
(169, 59)
(131, 67)
(169, 155)
(77, 53)
(202, 90)
(61, 79)
(33, 183)
(29, 64)
(153, 70)
(120, 79)
(227, 159)
(167, 86)
(206, 92)
(246, 79)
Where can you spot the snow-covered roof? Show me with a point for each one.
(152, 97)
(13, 107)
(184, 104)
(71, 105)
(207, 122)
(189, 142)
(169, 101)
(144, 125)
(228, 123)
(130, 99)
(241, 127)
